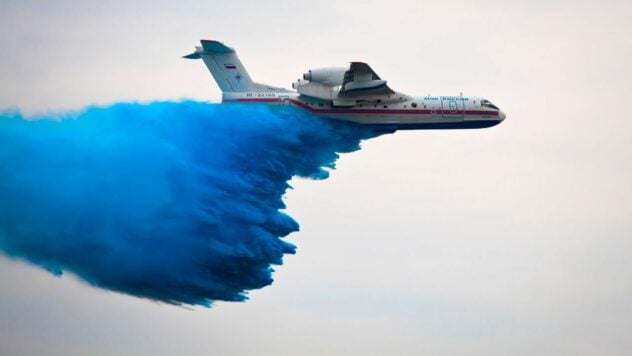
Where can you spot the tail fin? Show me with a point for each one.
(226, 68)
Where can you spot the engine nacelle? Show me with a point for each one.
(326, 76)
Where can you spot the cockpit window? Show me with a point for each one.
(488, 104)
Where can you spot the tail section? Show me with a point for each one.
(226, 68)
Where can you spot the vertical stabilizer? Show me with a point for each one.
(226, 68)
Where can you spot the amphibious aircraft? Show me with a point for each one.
(352, 93)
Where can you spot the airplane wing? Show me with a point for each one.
(360, 79)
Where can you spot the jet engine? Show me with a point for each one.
(326, 76)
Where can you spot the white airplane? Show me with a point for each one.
(354, 93)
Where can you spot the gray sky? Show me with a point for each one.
(509, 240)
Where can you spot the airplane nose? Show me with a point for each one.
(501, 115)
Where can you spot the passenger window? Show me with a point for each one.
(413, 105)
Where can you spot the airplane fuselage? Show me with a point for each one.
(398, 112)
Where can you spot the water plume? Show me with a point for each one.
(179, 202)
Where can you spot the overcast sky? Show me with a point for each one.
(509, 240)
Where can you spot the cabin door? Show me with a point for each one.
(452, 108)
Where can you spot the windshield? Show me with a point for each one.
(488, 104)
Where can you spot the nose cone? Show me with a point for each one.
(501, 115)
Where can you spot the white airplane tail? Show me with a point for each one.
(226, 68)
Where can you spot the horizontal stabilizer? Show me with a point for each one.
(194, 55)
(209, 47)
